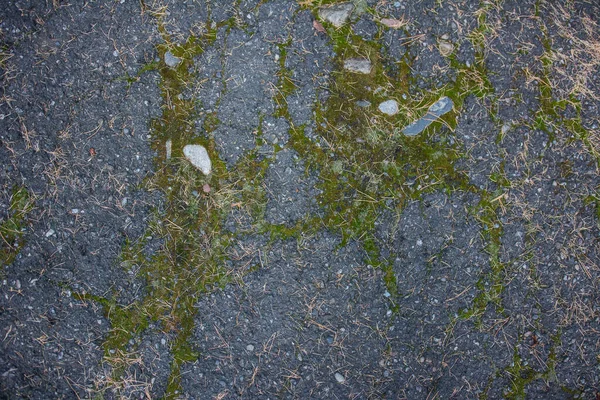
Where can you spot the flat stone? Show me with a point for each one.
(168, 148)
(171, 60)
(446, 48)
(358, 65)
(339, 377)
(250, 347)
(337, 14)
(437, 109)
(363, 103)
(389, 107)
(198, 156)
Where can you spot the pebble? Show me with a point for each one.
(339, 377)
(250, 347)
(171, 60)
(169, 147)
(437, 109)
(363, 103)
(389, 107)
(337, 14)
(198, 156)
(358, 65)
(446, 48)
(50, 232)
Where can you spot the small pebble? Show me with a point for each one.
(250, 347)
(389, 107)
(168, 148)
(171, 60)
(339, 377)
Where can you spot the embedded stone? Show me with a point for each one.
(337, 14)
(171, 60)
(436, 110)
(358, 65)
(389, 107)
(198, 156)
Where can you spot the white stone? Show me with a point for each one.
(171, 60)
(250, 347)
(389, 107)
(358, 65)
(168, 148)
(337, 14)
(198, 156)
(339, 377)
(50, 232)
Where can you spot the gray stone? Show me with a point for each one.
(437, 109)
(171, 60)
(198, 156)
(250, 347)
(339, 377)
(363, 103)
(358, 65)
(337, 14)
(389, 107)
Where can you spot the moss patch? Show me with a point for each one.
(12, 229)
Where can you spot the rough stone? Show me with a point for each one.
(171, 60)
(358, 65)
(446, 48)
(389, 107)
(337, 14)
(168, 148)
(198, 156)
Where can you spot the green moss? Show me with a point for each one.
(191, 260)
(285, 84)
(12, 229)
(364, 161)
(522, 375)
(550, 116)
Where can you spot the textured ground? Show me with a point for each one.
(327, 255)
